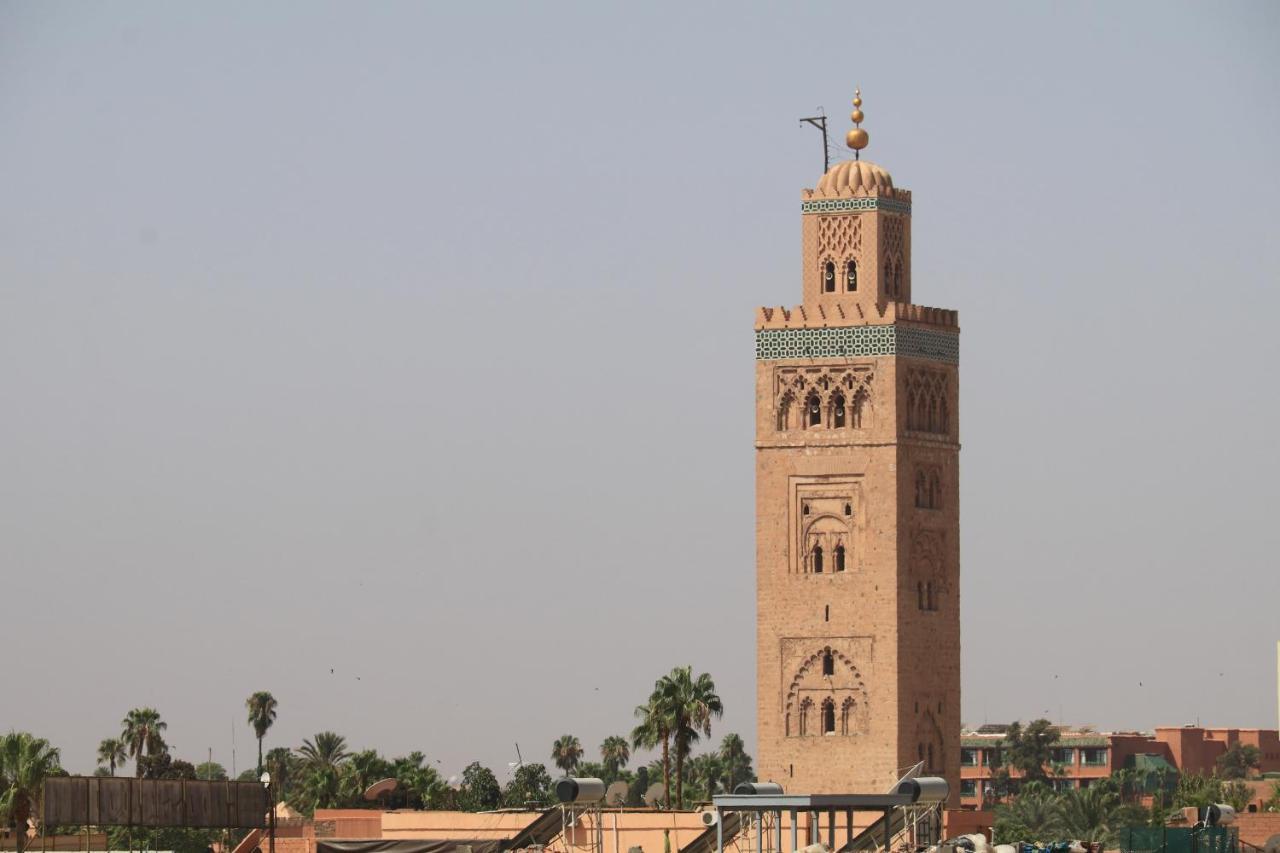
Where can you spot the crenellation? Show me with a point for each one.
(886, 313)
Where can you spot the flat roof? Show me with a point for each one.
(811, 802)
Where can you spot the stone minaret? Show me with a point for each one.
(857, 504)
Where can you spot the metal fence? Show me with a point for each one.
(1179, 839)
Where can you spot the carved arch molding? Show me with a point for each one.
(825, 692)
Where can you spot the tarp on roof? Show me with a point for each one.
(406, 845)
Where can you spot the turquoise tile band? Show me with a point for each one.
(858, 341)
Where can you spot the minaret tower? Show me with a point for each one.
(857, 515)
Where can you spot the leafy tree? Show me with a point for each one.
(1032, 816)
(529, 786)
(653, 729)
(112, 752)
(566, 752)
(1238, 760)
(326, 750)
(282, 764)
(1273, 802)
(1197, 791)
(211, 770)
(262, 713)
(162, 765)
(360, 771)
(735, 761)
(421, 784)
(704, 775)
(141, 731)
(1029, 750)
(25, 762)
(690, 703)
(1091, 814)
(640, 784)
(615, 752)
(480, 789)
(1238, 794)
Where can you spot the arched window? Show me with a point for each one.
(846, 711)
(935, 492)
(829, 277)
(828, 716)
(859, 406)
(897, 278)
(920, 594)
(787, 724)
(805, 707)
(888, 277)
(935, 417)
(839, 557)
(921, 490)
(816, 557)
(848, 509)
(944, 419)
(813, 410)
(851, 276)
(828, 664)
(837, 411)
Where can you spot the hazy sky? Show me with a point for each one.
(413, 341)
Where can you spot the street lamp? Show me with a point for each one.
(265, 779)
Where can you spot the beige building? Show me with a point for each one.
(857, 516)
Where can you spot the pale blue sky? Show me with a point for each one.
(414, 341)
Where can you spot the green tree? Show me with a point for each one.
(735, 761)
(1029, 750)
(262, 713)
(530, 786)
(25, 762)
(1273, 802)
(141, 730)
(615, 752)
(1238, 794)
(326, 750)
(566, 752)
(690, 703)
(480, 789)
(112, 753)
(422, 786)
(162, 765)
(360, 771)
(1197, 791)
(654, 729)
(1031, 816)
(704, 776)
(211, 770)
(1091, 814)
(1238, 760)
(635, 790)
(282, 764)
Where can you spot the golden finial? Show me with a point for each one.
(857, 138)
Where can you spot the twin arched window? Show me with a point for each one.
(829, 717)
(850, 276)
(817, 561)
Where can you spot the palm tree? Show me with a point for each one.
(655, 728)
(25, 762)
(280, 763)
(1031, 816)
(325, 752)
(616, 752)
(262, 713)
(566, 752)
(1090, 814)
(112, 752)
(736, 762)
(141, 730)
(690, 703)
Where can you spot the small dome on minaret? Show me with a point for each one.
(854, 177)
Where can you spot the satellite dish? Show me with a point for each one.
(655, 796)
(1272, 844)
(616, 794)
(379, 789)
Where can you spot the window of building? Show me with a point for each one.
(1093, 756)
(828, 717)
(848, 509)
(897, 279)
(968, 787)
(828, 664)
(1062, 755)
(888, 278)
(968, 758)
(928, 596)
(851, 276)
(837, 411)
(829, 277)
(922, 490)
(991, 758)
(859, 407)
(816, 558)
(814, 411)
(826, 613)
(839, 555)
(805, 509)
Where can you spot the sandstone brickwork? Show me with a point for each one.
(857, 507)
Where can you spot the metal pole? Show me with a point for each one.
(719, 831)
(831, 829)
(777, 819)
(848, 817)
(271, 821)
(795, 828)
(759, 832)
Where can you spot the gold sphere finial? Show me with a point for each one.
(857, 138)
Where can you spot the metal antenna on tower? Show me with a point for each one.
(820, 121)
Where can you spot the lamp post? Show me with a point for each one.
(271, 814)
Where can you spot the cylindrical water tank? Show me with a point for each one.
(1220, 815)
(765, 789)
(926, 789)
(573, 790)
